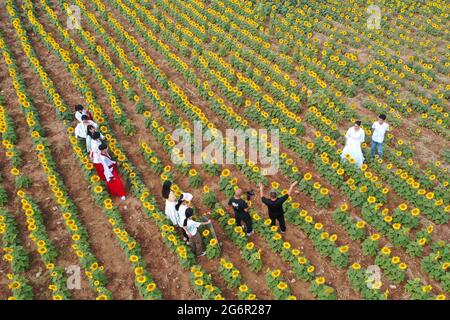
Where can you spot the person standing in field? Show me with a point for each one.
(275, 205)
(111, 173)
(353, 139)
(191, 228)
(92, 136)
(81, 111)
(94, 154)
(171, 201)
(81, 129)
(240, 208)
(380, 127)
(183, 203)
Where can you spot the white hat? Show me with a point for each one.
(187, 196)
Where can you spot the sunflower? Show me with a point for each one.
(356, 266)
(98, 189)
(243, 288)
(277, 237)
(138, 271)
(318, 226)
(343, 249)
(360, 224)
(307, 176)
(395, 260)
(320, 280)
(225, 173)
(282, 285)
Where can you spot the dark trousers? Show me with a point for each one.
(280, 219)
(184, 233)
(247, 220)
(196, 243)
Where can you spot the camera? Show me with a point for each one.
(249, 194)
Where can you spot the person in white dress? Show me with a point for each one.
(81, 129)
(353, 139)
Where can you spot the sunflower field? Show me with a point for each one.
(145, 68)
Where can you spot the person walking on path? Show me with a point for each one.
(380, 127)
(275, 205)
(113, 182)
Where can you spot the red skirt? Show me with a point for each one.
(115, 186)
(89, 115)
(99, 168)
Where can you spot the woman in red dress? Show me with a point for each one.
(94, 154)
(111, 173)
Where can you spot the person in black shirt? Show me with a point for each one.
(275, 205)
(240, 208)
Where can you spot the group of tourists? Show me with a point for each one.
(180, 213)
(179, 210)
(96, 147)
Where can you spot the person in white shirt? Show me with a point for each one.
(171, 201)
(82, 128)
(94, 154)
(80, 111)
(353, 139)
(183, 203)
(90, 137)
(111, 173)
(191, 228)
(380, 127)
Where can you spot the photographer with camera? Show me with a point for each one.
(240, 208)
(275, 205)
